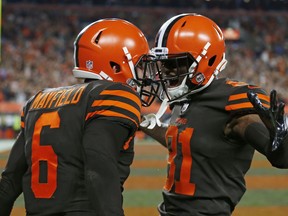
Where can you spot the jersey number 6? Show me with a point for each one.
(45, 154)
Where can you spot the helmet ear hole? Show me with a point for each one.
(183, 24)
(212, 60)
(115, 67)
(98, 37)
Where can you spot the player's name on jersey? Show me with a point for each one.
(57, 97)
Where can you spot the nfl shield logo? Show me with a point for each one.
(89, 65)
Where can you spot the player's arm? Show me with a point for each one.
(11, 177)
(250, 127)
(157, 133)
(124, 162)
(152, 125)
(111, 122)
(103, 140)
(274, 120)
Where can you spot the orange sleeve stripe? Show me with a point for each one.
(237, 96)
(114, 103)
(110, 114)
(124, 94)
(244, 95)
(22, 124)
(241, 106)
(264, 97)
(126, 145)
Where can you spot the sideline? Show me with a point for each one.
(6, 144)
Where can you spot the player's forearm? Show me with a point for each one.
(6, 200)
(157, 133)
(11, 178)
(251, 129)
(257, 135)
(5, 207)
(103, 184)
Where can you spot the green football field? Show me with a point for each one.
(267, 187)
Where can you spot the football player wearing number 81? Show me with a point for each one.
(216, 124)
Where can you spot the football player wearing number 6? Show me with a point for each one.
(75, 147)
(215, 124)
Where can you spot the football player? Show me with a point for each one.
(75, 147)
(214, 128)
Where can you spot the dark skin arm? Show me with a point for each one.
(157, 133)
(238, 127)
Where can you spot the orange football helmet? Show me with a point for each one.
(191, 49)
(112, 49)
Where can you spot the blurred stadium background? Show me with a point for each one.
(37, 51)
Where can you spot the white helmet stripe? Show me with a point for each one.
(130, 62)
(166, 27)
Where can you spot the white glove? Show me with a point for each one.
(150, 121)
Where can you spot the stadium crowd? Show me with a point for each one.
(207, 4)
(37, 41)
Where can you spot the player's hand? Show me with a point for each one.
(272, 117)
(150, 121)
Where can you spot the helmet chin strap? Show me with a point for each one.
(184, 94)
(221, 66)
(204, 86)
(178, 90)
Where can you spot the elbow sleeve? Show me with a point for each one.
(257, 135)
